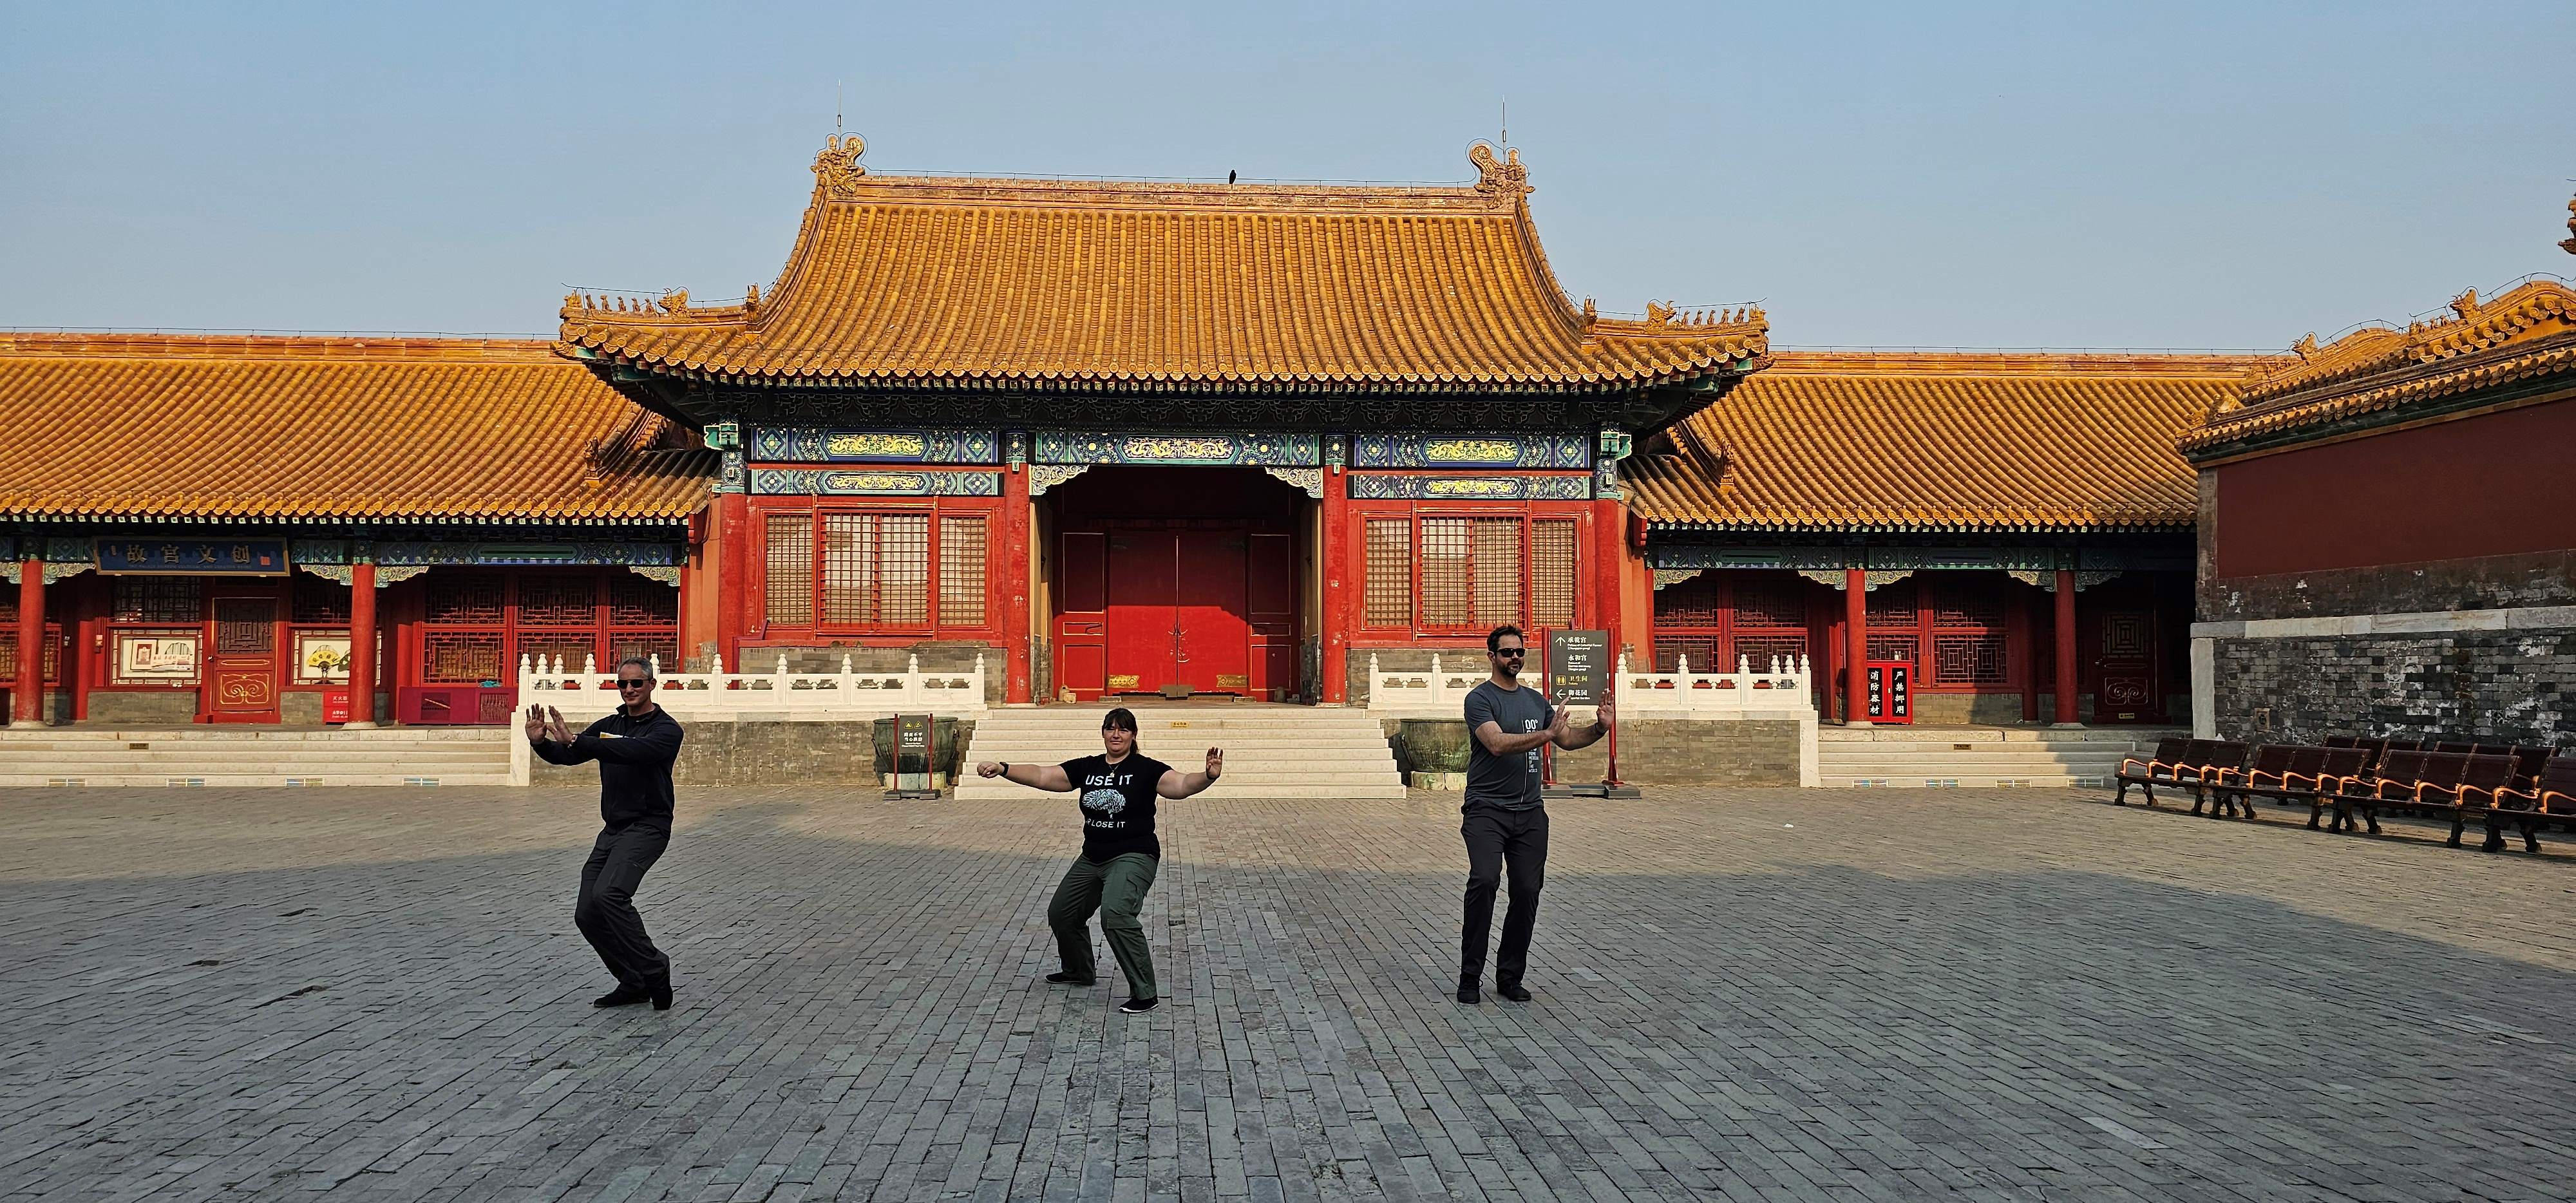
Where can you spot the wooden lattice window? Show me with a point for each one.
(1968, 602)
(1672, 651)
(665, 646)
(1971, 659)
(876, 570)
(1552, 572)
(1687, 604)
(961, 569)
(576, 649)
(460, 657)
(1388, 550)
(319, 602)
(53, 665)
(559, 601)
(1899, 648)
(155, 599)
(1770, 601)
(1447, 582)
(635, 601)
(1892, 605)
(1496, 570)
(790, 570)
(464, 597)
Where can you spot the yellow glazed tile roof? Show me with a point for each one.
(2527, 334)
(1940, 441)
(918, 281)
(285, 429)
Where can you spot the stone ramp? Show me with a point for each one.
(255, 756)
(1978, 757)
(1296, 752)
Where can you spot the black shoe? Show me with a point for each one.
(662, 997)
(623, 996)
(1511, 993)
(1138, 1006)
(1067, 979)
(1467, 994)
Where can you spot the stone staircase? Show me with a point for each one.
(1270, 751)
(1913, 757)
(254, 756)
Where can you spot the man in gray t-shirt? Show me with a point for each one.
(1505, 826)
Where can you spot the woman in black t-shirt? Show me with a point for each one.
(1119, 851)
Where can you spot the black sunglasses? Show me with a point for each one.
(1513, 652)
(633, 682)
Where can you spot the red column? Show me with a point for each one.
(2065, 648)
(1609, 529)
(27, 693)
(1334, 556)
(1855, 647)
(362, 644)
(731, 515)
(1015, 582)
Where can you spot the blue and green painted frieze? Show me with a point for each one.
(873, 482)
(1390, 486)
(1110, 447)
(818, 445)
(1566, 452)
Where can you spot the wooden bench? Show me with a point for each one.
(2550, 794)
(2451, 785)
(2284, 772)
(2194, 764)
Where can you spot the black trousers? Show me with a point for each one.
(606, 911)
(1501, 843)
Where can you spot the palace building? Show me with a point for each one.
(1116, 438)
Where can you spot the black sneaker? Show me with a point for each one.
(661, 997)
(1511, 993)
(1138, 1006)
(1066, 979)
(1467, 993)
(623, 996)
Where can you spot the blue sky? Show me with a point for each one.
(1974, 174)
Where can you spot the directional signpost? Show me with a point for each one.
(1578, 673)
(911, 746)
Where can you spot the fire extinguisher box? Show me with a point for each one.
(1891, 691)
(335, 705)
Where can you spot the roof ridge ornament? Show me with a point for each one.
(1499, 174)
(837, 170)
(2569, 246)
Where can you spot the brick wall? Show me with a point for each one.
(762, 753)
(2488, 686)
(1693, 752)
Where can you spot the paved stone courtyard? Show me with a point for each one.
(2017, 994)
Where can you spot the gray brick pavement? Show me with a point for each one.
(1772, 995)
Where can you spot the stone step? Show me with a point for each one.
(1964, 781)
(232, 756)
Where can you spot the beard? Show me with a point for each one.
(1510, 669)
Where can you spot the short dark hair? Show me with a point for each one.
(1494, 639)
(1121, 718)
(637, 661)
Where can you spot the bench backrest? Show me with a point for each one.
(2344, 762)
(2223, 754)
(2274, 758)
(2343, 741)
(2308, 759)
(2488, 771)
(2442, 770)
(2528, 761)
(2170, 751)
(2376, 753)
(2559, 774)
(2402, 764)
(2453, 745)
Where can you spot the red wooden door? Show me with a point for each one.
(1081, 625)
(1271, 586)
(242, 663)
(2128, 688)
(1214, 637)
(1143, 611)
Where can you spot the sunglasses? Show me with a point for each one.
(635, 683)
(1512, 653)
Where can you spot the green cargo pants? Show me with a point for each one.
(1116, 888)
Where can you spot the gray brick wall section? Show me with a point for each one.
(762, 753)
(2488, 686)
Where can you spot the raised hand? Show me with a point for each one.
(536, 723)
(1215, 763)
(555, 728)
(1556, 723)
(1604, 719)
(989, 768)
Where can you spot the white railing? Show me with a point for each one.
(1782, 684)
(1783, 690)
(850, 695)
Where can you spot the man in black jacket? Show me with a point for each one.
(634, 747)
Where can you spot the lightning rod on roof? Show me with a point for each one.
(836, 108)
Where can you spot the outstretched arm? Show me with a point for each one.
(1571, 738)
(1177, 784)
(1048, 777)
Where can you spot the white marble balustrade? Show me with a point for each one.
(1781, 685)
